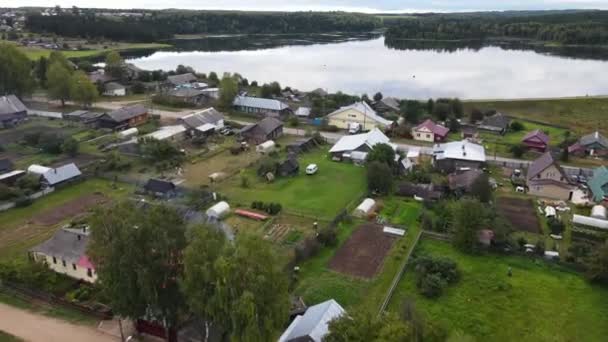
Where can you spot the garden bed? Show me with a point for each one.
(521, 213)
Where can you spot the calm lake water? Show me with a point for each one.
(363, 64)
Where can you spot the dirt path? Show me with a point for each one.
(34, 327)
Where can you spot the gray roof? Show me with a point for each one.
(497, 120)
(269, 125)
(313, 325)
(207, 116)
(464, 180)
(540, 164)
(391, 102)
(65, 244)
(77, 113)
(10, 104)
(261, 103)
(100, 76)
(113, 86)
(186, 92)
(61, 174)
(127, 113)
(181, 79)
(594, 138)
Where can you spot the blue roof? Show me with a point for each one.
(599, 184)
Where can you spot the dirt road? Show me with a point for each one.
(34, 327)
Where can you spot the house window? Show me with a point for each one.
(418, 135)
(54, 260)
(63, 262)
(89, 272)
(428, 136)
(74, 267)
(352, 116)
(538, 176)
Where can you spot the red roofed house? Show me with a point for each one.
(65, 253)
(536, 140)
(430, 131)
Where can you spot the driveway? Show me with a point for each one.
(35, 327)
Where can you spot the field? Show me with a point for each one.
(95, 51)
(581, 115)
(317, 282)
(198, 174)
(322, 195)
(23, 228)
(521, 213)
(364, 252)
(540, 302)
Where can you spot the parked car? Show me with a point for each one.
(312, 169)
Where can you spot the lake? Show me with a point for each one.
(364, 64)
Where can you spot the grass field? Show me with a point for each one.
(322, 195)
(36, 53)
(541, 302)
(318, 283)
(581, 115)
(18, 232)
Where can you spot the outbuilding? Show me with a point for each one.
(218, 211)
(550, 211)
(365, 208)
(598, 211)
(266, 147)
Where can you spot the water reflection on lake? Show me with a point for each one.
(367, 66)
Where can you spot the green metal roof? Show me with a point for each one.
(599, 183)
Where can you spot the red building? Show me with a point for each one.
(536, 140)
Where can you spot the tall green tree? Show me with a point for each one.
(58, 57)
(365, 327)
(229, 88)
(469, 217)
(40, 70)
(82, 90)
(59, 80)
(241, 289)
(481, 188)
(15, 71)
(598, 265)
(137, 253)
(115, 65)
(379, 177)
(382, 153)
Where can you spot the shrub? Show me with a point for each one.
(244, 181)
(556, 226)
(330, 128)
(307, 249)
(23, 201)
(517, 150)
(431, 286)
(517, 126)
(522, 242)
(293, 121)
(328, 237)
(434, 274)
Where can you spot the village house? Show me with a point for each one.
(536, 141)
(125, 117)
(261, 106)
(160, 188)
(469, 133)
(598, 184)
(594, 144)
(266, 129)
(358, 113)
(387, 104)
(204, 122)
(458, 155)
(65, 253)
(12, 111)
(411, 159)
(180, 80)
(355, 147)
(545, 178)
(497, 123)
(191, 96)
(430, 131)
(52, 177)
(313, 325)
(303, 112)
(114, 89)
(100, 77)
(9, 178)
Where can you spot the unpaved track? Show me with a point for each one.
(38, 328)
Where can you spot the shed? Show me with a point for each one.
(551, 254)
(38, 169)
(128, 133)
(598, 211)
(591, 222)
(266, 147)
(550, 211)
(218, 211)
(365, 208)
(160, 188)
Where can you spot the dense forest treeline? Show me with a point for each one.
(579, 27)
(159, 25)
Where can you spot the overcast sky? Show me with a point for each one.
(346, 5)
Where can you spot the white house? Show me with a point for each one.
(363, 143)
(359, 112)
(313, 325)
(65, 252)
(458, 154)
(114, 89)
(55, 176)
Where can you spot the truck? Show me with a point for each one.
(354, 128)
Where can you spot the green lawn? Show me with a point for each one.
(322, 195)
(582, 116)
(318, 283)
(17, 234)
(541, 302)
(6, 337)
(36, 53)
